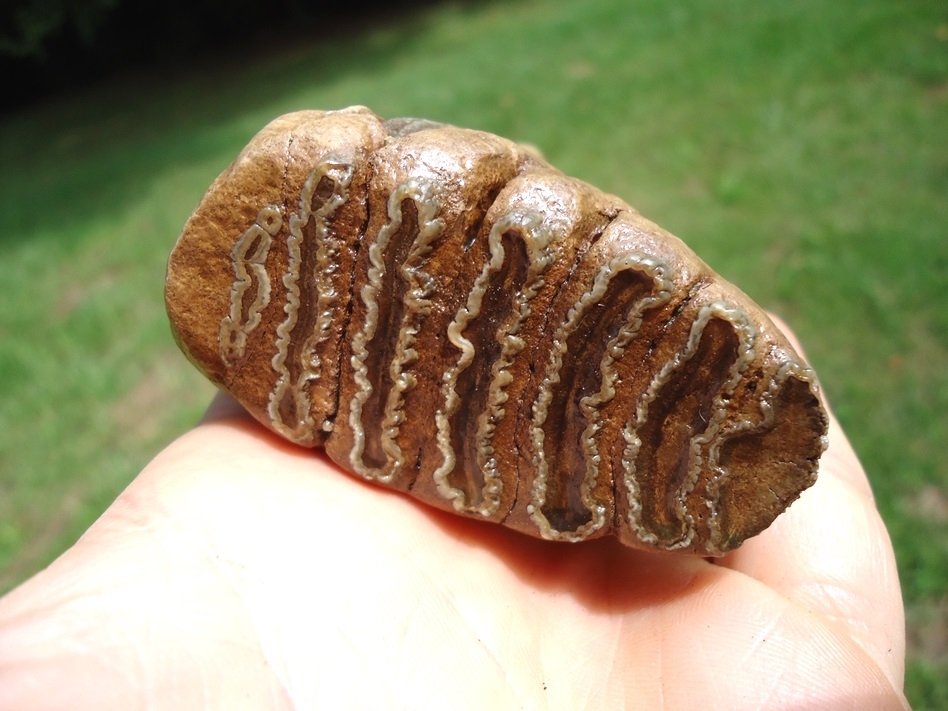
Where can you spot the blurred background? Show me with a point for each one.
(800, 148)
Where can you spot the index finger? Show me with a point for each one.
(831, 553)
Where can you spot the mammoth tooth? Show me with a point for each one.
(445, 313)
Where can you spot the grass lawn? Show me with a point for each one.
(801, 149)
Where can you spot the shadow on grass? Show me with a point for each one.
(82, 158)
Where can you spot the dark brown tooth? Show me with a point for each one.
(447, 314)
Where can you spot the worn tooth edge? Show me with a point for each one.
(541, 406)
(418, 305)
(341, 174)
(787, 369)
(747, 335)
(591, 404)
(409, 190)
(465, 315)
(326, 265)
(236, 326)
(538, 239)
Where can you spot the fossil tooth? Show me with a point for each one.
(445, 313)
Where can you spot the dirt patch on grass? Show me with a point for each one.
(929, 503)
(927, 630)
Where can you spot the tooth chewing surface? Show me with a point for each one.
(447, 314)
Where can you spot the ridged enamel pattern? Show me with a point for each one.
(448, 315)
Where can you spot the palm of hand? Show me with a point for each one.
(240, 572)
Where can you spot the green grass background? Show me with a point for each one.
(801, 148)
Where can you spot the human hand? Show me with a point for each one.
(238, 571)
